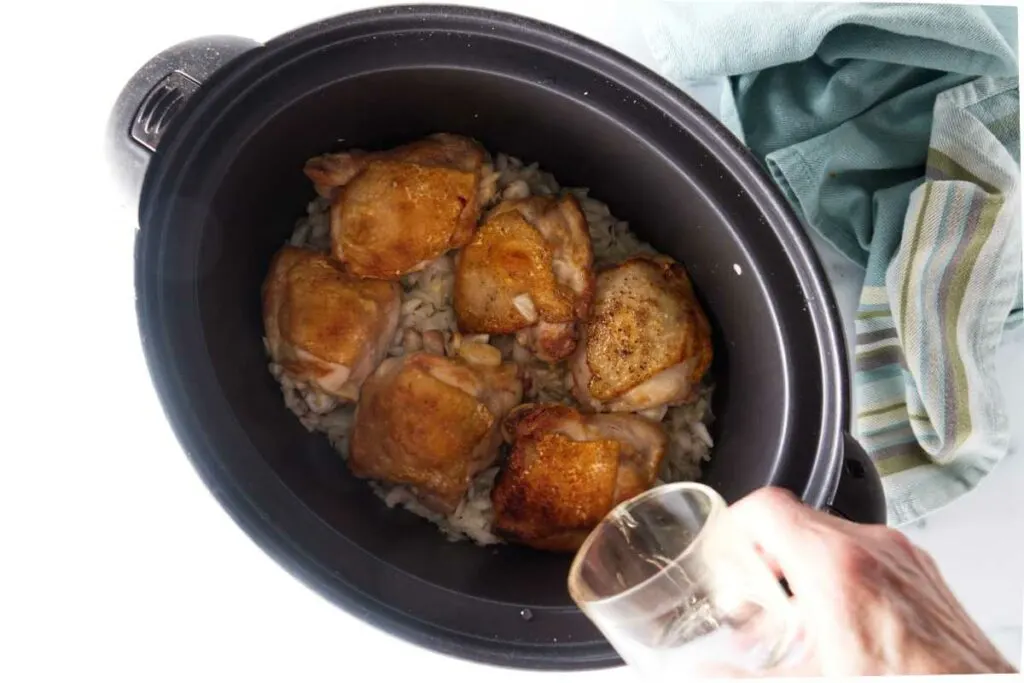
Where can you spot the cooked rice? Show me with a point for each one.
(428, 322)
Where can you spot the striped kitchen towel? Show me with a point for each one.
(935, 303)
(893, 131)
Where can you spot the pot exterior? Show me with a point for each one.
(221, 194)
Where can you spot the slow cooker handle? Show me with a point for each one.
(860, 496)
(152, 98)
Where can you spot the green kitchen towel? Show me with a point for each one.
(893, 130)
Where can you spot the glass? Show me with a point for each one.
(677, 591)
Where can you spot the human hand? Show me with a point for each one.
(869, 601)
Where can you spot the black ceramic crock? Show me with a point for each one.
(212, 135)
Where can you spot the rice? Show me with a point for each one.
(428, 322)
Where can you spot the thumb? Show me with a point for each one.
(805, 669)
(800, 662)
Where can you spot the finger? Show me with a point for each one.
(803, 670)
(798, 659)
(794, 539)
(722, 670)
(801, 660)
(819, 557)
(773, 565)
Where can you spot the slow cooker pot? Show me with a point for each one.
(212, 135)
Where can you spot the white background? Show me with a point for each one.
(116, 562)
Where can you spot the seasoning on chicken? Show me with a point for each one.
(395, 211)
(432, 423)
(323, 326)
(567, 470)
(647, 343)
(529, 271)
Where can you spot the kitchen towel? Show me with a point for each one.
(893, 130)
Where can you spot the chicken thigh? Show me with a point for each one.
(432, 423)
(393, 212)
(567, 470)
(529, 271)
(647, 344)
(324, 326)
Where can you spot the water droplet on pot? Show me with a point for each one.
(526, 614)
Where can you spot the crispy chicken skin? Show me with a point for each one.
(395, 211)
(647, 343)
(324, 326)
(568, 469)
(529, 271)
(431, 423)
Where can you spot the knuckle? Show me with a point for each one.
(899, 540)
(775, 504)
(772, 497)
(893, 541)
(926, 558)
(850, 556)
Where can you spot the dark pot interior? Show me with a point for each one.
(223, 194)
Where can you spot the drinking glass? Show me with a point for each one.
(678, 591)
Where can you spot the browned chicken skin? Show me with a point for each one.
(647, 343)
(528, 270)
(324, 326)
(393, 212)
(567, 470)
(431, 423)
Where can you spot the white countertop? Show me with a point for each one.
(126, 566)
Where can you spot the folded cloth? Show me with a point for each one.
(893, 131)
(934, 305)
